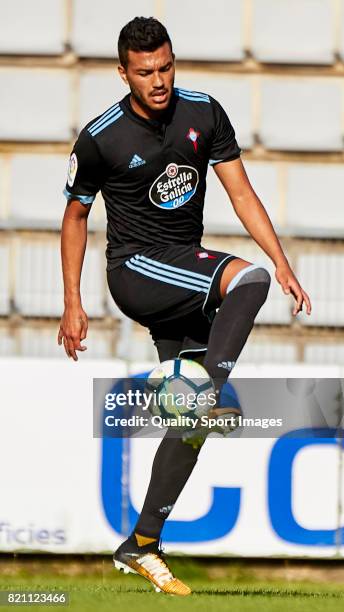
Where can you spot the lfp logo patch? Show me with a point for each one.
(72, 169)
(174, 187)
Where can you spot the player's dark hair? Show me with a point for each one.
(141, 34)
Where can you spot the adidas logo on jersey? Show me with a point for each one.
(227, 365)
(136, 161)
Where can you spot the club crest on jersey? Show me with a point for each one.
(193, 136)
(72, 169)
(174, 187)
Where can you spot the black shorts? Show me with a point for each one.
(174, 291)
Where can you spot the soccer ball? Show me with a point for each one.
(180, 388)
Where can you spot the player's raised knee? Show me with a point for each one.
(252, 274)
(260, 275)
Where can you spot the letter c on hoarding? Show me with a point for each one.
(282, 459)
(122, 516)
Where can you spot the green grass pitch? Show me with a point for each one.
(99, 588)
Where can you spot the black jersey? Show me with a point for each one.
(152, 174)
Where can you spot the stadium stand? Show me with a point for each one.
(35, 196)
(35, 105)
(36, 341)
(309, 24)
(7, 343)
(96, 25)
(55, 76)
(269, 352)
(314, 199)
(341, 31)
(324, 274)
(301, 114)
(40, 29)
(3, 188)
(4, 280)
(109, 88)
(190, 34)
(330, 353)
(38, 283)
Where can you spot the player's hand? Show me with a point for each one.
(290, 285)
(73, 329)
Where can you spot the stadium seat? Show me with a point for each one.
(7, 343)
(137, 345)
(38, 279)
(4, 279)
(3, 194)
(325, 353)
(294, 31)
(201, 22)
(219, 216)
(42, 342)
(315, 196)
(99, 89)
(32, 28)
(322, 277)
(35, 105)
(234, 93)
(256, 352)
(301, 114)
(36, 198)
(341, 24)
(96, 25)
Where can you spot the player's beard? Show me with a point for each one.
(144, 103)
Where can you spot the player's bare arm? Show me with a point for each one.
(255, 219)
(74, 322)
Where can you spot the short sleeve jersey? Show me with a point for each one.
(152, 174)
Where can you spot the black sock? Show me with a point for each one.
(234, 321)
(172, 466)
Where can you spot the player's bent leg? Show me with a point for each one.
(245, 292)
(230, 271)
(243, 288)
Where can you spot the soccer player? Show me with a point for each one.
(149, 154)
